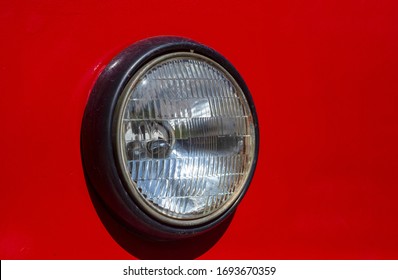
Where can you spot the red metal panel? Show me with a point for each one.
(324, 78)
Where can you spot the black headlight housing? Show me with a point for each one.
(169, 138)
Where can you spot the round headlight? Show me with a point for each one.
(170, 137)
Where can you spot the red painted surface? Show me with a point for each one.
(323, 74)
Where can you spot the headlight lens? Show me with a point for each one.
(185, 138)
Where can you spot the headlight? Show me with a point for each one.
(170, 137)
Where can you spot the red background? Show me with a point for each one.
(324, 78)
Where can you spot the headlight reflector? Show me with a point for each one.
(186, 138)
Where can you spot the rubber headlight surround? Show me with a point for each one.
(169, 138)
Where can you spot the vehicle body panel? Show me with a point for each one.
(324, 79)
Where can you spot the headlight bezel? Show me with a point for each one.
(99, 134)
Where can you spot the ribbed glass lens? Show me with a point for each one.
(186, 138)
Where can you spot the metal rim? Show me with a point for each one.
(120, 149)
